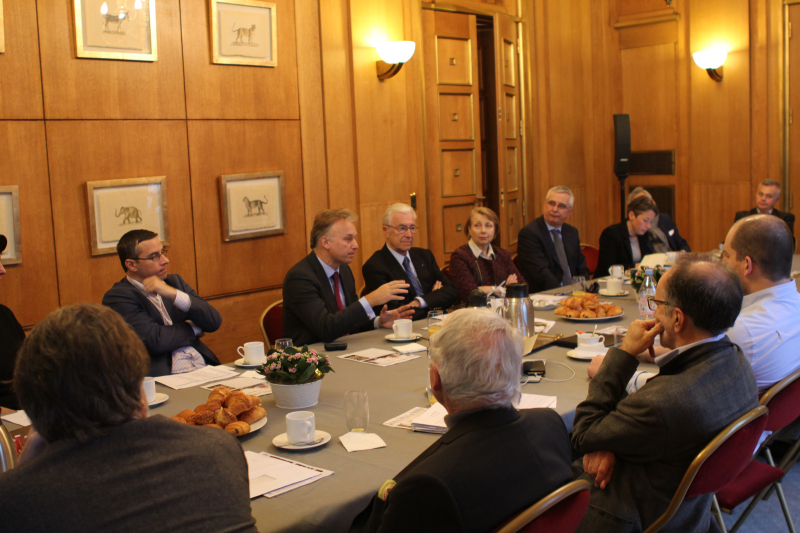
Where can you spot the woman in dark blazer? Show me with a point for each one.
(478, 264)
(626, 243)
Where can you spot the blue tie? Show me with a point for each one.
(412, 277)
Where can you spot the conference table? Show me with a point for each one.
(330, 504)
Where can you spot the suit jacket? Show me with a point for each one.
(674, 239)
(147, 322)
(615, 248)
(469, 273)
(786, 217)
(309, 306)
(656, 432)
(490, 465)
(538, 260)
(382, 268)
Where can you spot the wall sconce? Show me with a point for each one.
(711, 61)
(392, 56)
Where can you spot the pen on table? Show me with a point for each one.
(563, 293)
(498, 286)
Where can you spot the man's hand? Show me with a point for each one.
(394, 290)
(387, 317)
(415, 303)
(436, 286)
(158, 286)
(599, 465)
(641, 336)
(594, 366)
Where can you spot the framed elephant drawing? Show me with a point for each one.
(118, 206)
(253, 205)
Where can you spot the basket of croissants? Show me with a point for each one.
(233, 411)
(588, 307)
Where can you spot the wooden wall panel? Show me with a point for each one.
(218, 148)
(232, 91)
(109, 89)
(30, 288)
(721, 203)
(20, 74)
(635, 7)
(81, 151)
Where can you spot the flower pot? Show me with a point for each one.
(296, 396)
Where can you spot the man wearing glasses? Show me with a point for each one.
(549, 248)
(162, 309)
(428, 288)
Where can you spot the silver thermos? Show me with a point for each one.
(517, 308)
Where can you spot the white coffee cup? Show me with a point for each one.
(587, 339)
(614, 286)
(149, 385)
(402, 328)
(617, 271)
(253, 352)
(300, 427)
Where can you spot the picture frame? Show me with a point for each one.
(116, 29)
(252, 39)
(118, 206)
(9, 224)
(2, 30)
(246, 198)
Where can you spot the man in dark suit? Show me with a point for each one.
(768, 194)
(319, 293)
(638, 446)
(494, 461)
(400, 260)
(663, 234)
(162, 309)
(549, 249)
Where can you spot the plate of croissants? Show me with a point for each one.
(588, 309)
(231, 411)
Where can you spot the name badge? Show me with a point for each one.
(671, 232)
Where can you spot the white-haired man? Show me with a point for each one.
(549, 248)
(494, 461)
(767, 196)
(400, 260)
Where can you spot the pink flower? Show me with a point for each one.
(292, 370)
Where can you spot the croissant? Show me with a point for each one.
(590, 304)
(564, 301)
(561, 311)
(219, 395)
(213, 426)
(213, 406)
(575, 303)
(238, 428)
(256, 413)
(186, 414)
(239, 406)
(255, 401)
(201, 419)
(237, 394)
(601, 312)
(588, 313)
(573, 313)
(201, 408)
(223, 417)
(179, 419)
(614, 310)
(590, 296)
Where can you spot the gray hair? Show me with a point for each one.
(561, 189)
(479, 357)
(636, 192)
(396, 208)
(772, 183)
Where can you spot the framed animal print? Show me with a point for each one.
(243, 32)
(253, 205)
(116, 29)
(9, 224)
(119, 206)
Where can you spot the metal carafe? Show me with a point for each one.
(8, 453)
(517, 308)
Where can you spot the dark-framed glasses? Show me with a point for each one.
(653, 303)
(155, 258)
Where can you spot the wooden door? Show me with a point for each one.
(793, 130)
(453, 155)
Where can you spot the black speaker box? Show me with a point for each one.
(622, 144)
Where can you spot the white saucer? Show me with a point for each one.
(392, 338)
(575, 355)
(604, 292)
(282, 441)
(255, 426)
(159, 399)
(241, 363)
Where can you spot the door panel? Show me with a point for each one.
(793, 69)
(456, 120)
(454, 61)
(458, 172)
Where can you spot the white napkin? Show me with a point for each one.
(356, 441)
(19, 418)
(410, 348)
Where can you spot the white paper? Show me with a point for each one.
(376, 357)
(235, 383)
(534, 401)
(356, 442)
(271, 475)
(251, 374)
(651, 260)
(611, 329)
(196, 377)
(410, 348)
(19, 418)
(551, 298)
(432, 420)
(539, 322)
(404, 421)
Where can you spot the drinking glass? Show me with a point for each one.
(435, 319)
(282, 344)
(578, 287)
(356, 411)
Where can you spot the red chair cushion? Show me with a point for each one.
(564, 517)
(755, 477)
(273, 323)
(592, 256)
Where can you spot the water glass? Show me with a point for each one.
(435, 319)
(282, 344)
(578, 287)
(356, 411)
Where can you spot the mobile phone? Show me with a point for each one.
(533, 368)
(335, 346)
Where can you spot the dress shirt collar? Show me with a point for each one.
(139, 286)
(397, 255)
(662, 360)
(551, 228)
(784, 290)
(477, 252)
(328, 270)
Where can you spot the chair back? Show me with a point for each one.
(783, 401)
(272, 323)
(719, 463)
(515, 260)
(446, 271)
(592, 256)
(562, 510)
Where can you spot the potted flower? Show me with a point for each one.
(295, 376)
(637, 276)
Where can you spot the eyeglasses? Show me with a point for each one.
(653, 303)
(155, 258)
(403, 229)
(561, 207)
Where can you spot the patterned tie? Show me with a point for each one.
(562, 258)
(339, 303)
(412, 277)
